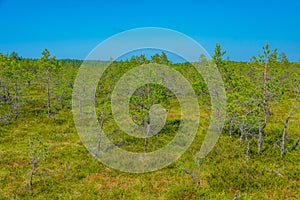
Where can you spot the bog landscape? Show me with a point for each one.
(256, 156)
(167, 100)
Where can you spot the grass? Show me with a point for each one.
(70, 172)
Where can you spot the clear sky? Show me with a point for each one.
(72, 28)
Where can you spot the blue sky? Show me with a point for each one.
(71, 29)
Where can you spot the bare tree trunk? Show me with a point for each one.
(260, 136)
(236, 196)
(17, 110)
(243, 127)
(286, 125)
(248, 149)
(196, 173)
(100, 133)
(265, 110)
(10, 101)
(148, 121)
(231, 122)
(146, 138)
(48, 97)
(34, 163)
(243, 132)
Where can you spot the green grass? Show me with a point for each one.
(70, 172)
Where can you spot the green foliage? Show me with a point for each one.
(67, 170)
(218, 54)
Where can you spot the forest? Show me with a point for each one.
(256, 156)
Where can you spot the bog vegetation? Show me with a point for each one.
(256, 157)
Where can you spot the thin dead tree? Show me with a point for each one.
(267, 58)
(101, 118)
(34, 162)
(196, 173)
(146, 138)
(243, 125)
(36, 157)
(286, 125)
